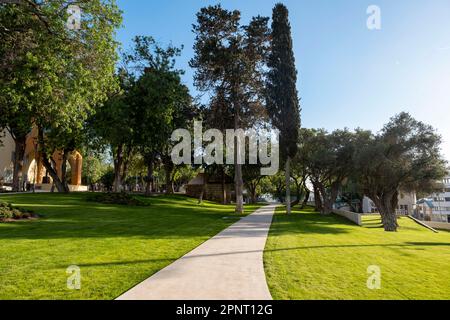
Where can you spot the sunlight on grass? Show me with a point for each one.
(116, 247)
(310, 256)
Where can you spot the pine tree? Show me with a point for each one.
(282, 96)
(229, 59)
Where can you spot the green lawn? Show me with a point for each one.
(309, 256)
(116, 247)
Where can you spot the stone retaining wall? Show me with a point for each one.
(352, 216)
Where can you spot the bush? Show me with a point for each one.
(117, 198)
(9, 212)
(107, 179)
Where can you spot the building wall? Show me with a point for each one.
(406, 204)
(441, 202)
(6, 155)
(213, 191)
(33, 160)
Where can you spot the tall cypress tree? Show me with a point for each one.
(282, 96)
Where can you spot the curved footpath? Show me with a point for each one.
(228, 266)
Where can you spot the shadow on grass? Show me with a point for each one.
(228, 253)
(308, 221)
(72, 216)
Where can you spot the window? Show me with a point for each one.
(447, 199)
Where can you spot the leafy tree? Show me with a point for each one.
(229, 60)
(107, 179)
(112, 127)
(63, 73)
(181, 175)
(219, 116)
(94, 166)
(252, 180)
(15, 115)
(328, 160)
(352, 195)
(278, 185)
(17, 122)
(282, 96)
(162, 103)
(404, 156)
(299, 174)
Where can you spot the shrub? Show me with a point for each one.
(107, 179)
(117, 198)
(9, 212)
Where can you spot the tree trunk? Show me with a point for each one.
(386, 205)
(389, 215)
(63, 172)
(118, 161)
(60, 186)
(224, 191)
(205, 183)
(305, 201)
(148, 185)
(124, 174)
(317, 199)
(390, 222)
(298, 194)
(238, 180)
(252, 189)
(288, 185)
(254, 197)
(58, 183)
(18, 162)
(329, 199)
(239, 189)
(169, 183)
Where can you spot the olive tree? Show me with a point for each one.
(404, 156)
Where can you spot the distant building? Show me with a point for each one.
(436, 207)
(215, 188)
(33, 171)
(406, 204)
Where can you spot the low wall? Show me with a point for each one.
(438, 225)
(45, 187)
(352, 216)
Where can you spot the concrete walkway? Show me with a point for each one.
(228, 266)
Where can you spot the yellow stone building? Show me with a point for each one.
(33, 171)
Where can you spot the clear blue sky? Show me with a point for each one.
(349, 76)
